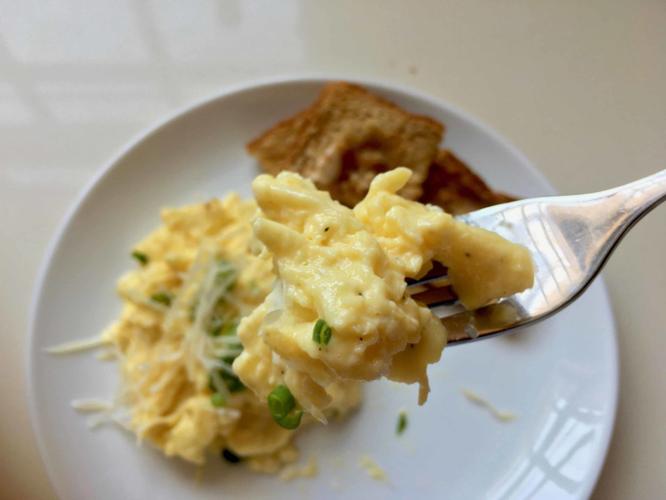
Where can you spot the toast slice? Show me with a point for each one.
(345, 138)
(452, 185)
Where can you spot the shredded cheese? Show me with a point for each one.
(502, 416)
(310, 469)
(78, 345)
(91, 405)
(371, 467)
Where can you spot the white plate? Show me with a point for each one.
(560, 377)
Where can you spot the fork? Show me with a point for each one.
(570, 239)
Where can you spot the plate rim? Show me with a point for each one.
(225, 91)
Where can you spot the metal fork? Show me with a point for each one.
(570, 238)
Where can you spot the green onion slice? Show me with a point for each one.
(291, 421)
(321, 332)
(282, 406)
(162, 298)
(141, 257)
(218, 400)
(402, 423)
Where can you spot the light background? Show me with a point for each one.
(580, 87)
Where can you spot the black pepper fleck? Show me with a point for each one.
(230, 456)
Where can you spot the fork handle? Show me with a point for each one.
(637, 198)
(611, 213)
(623, 207)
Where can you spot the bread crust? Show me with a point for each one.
(454, 186)
(345, 138)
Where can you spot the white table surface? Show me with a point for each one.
(580, 87)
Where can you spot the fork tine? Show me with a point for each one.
(448, 302)
(437, 274)
(467, 326)
(433, 289)
(432, 295)
(435, 281)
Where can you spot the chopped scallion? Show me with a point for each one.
(225, 275)
(215, 326)
(163, 298)
(291, 421)
(402, 423)
(282, 406)
(229, 328)
(232, 382)
(321, 332)
(218, 400)
(219, 326)
(281, 401)
(193, 310)
(141, 257)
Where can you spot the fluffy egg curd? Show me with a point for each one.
(198, 275)
(243, 320)
(340, 310)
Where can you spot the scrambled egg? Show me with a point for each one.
(208, 335)
(345, 269)
(199, 274)
(482, 266)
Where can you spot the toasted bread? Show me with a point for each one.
(453, 186)
(345, 138)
